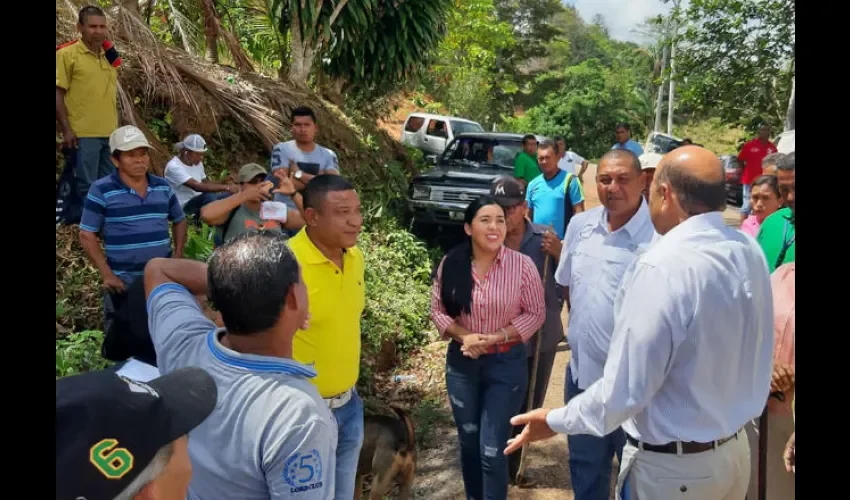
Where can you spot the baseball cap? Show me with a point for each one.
(249, 171)
(127, 138)
(193, 142)
(507, 191)
(109, 428)
(649, 160)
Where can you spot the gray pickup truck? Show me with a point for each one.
(462, 173)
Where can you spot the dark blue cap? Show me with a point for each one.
(109, 428)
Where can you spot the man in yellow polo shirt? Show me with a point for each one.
(332, 269)
(86, 100)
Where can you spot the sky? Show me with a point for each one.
(621, 16)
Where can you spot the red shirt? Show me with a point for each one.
(752, 153)
(510, 294)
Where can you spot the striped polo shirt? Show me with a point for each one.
(134, 229)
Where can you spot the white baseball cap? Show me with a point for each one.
(649, 160)
(193, 142)
(127, 138)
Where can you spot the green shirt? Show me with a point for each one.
(777, 232)
(525, 167)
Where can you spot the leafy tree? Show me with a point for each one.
(531, 21)
(737, 59)
(589, 100)
(391, 42)
(464, 76)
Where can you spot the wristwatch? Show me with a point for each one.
(299, 174)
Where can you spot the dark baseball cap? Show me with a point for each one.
(508, 191)
(109, 428)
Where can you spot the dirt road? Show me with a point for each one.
(438, 475)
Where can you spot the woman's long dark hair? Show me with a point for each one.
(456, 286)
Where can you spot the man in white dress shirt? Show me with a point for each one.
(598, 247)
(691, 355)
(569, 161)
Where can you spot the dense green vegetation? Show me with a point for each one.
(516, 65)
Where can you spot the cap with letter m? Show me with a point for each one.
(109, 428)
(507, 191)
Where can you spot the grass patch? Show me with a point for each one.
(715, 136)
(430, 414)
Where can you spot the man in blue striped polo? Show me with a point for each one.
(129, 210)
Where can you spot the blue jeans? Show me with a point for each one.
(349, 420)
(92, 162)
(745, 199)
(590, 456)
(485, 393)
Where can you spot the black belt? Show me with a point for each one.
(688, 447)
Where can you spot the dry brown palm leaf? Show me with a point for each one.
(243, 63)
(249, 111)
(148, 54)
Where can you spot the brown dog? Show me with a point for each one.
(389, 453)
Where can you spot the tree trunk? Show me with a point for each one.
(790, 117)
(334, 90)
(303, 53)
(660, 102)
(210, 31)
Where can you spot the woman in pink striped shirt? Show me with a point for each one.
(488, 300)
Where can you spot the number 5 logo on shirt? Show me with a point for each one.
(112, 462)
(303, 471)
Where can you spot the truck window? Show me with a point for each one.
(437, 128)
(459, 127)
(414, 123)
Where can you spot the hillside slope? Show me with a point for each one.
(169, 94)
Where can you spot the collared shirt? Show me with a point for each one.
(783, 281)
(571, 163)
(271, 436)
(134, 229)
(776, 233)
(553, 327)
(632, 146)
(511, 293)
(592, 264)
(691, 356)
(91, 90)
(547, 199)
(337, 297)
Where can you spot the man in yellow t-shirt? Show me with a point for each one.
(333, 271)
(86, 100)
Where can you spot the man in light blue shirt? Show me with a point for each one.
(624, 139)
(599, 246)
(691, 353)
(301, 158)
(271, 436)
(554, 196)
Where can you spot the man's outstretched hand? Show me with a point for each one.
(536, 429)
